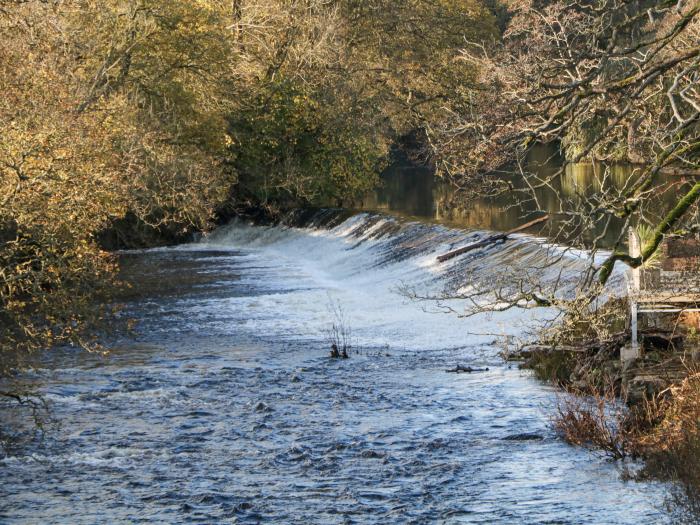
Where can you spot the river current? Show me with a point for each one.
(225, 407)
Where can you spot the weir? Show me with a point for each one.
(404, 245)
(226, 404)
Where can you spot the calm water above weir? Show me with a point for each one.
(415, 192)
(226, 409)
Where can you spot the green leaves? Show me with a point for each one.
(287, 146)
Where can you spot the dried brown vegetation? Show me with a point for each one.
(598, 422)
(663, 430)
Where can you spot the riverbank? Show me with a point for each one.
(646, 408)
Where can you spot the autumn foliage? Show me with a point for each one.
(107, 107)
(160, 112)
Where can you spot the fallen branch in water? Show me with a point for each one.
(490, 240)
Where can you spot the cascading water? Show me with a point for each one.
(362, 261)
(226, 407)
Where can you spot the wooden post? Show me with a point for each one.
(634, 323)
(635, 250)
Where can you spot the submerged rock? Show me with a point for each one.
(459, 369)
(337, 353)
(525, 436)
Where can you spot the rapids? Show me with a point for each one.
(226, 409)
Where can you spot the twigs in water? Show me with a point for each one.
(338, 335)
(459, 369)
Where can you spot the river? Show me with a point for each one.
(413, 191)
(226, 408)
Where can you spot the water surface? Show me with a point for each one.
(226, 408)
(414, 191)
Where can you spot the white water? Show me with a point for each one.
(354, 266)
(227, 409)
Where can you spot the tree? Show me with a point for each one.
(606, 80)
(335, 83)
(107, 108)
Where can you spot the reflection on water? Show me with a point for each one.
(414, 191)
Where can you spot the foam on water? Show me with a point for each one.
(361, 264)
(226, 407)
